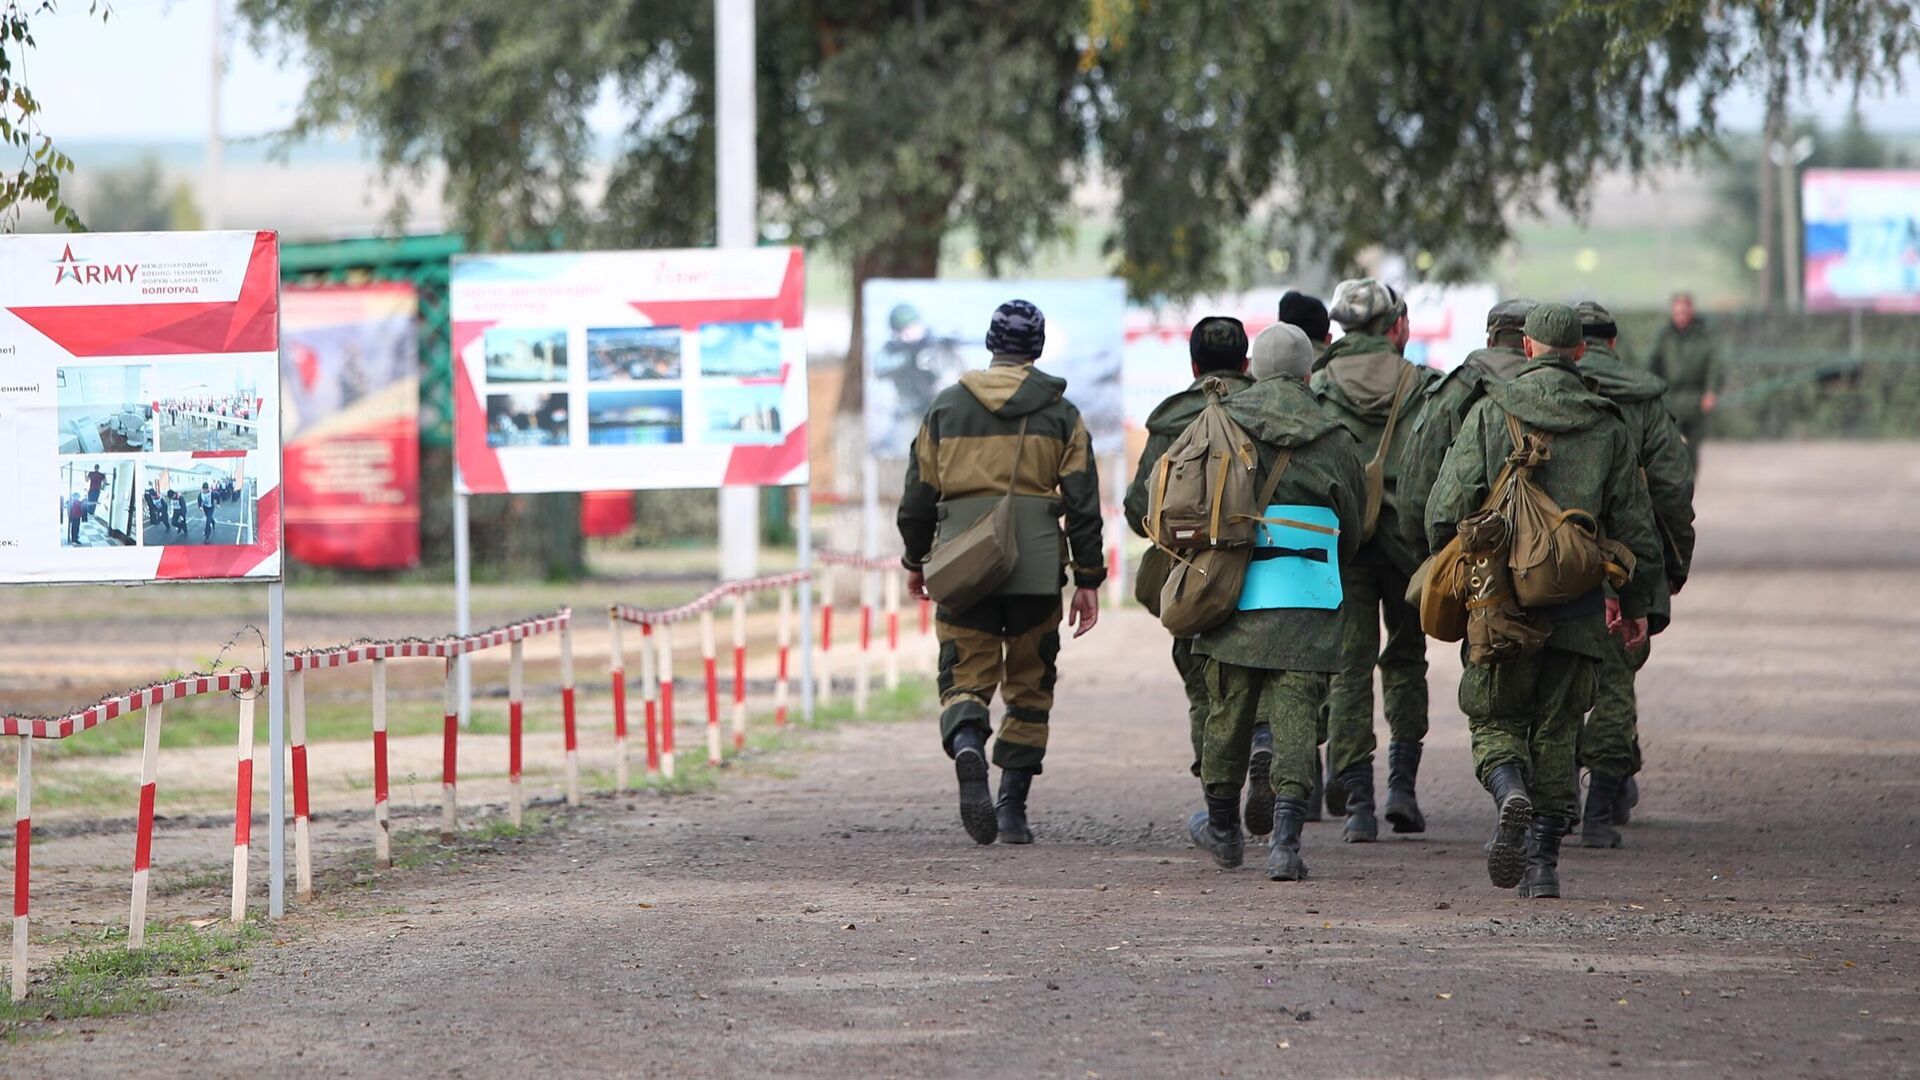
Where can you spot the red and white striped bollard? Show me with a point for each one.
(450, 752)
(302, 830)
(243, 801)
(569, 725)
(143, 829)
(665, 641)
(516, 685)
(713, 686)
(784, 634)
(617, 671)
(22, 865)
(650, 691)
(739, 673)
(382, 819)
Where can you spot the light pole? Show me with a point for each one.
(1788, 158)
(735, 201)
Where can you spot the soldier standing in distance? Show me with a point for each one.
(1217, 348)
(1610, 743)
(1524, 714)
(1684, 355)
(1364, 382)
(1006, 420)
(1270, 660)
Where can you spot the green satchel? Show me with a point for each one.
(965, 569)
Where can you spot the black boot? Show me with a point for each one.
(1217, 829)
(1319, 793)
(1603, 802)
(1629, 798)
(1334, 791)
(1361, 826)
(1011, 810)
(1507, 854)
(1283, 852)
(1403, 767)
(1259, 816)
(976, 799)
(1542, 879)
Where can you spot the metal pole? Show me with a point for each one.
(277, 750)
(803, 512)
(462, 599)
(1790, 228)
(736, 199)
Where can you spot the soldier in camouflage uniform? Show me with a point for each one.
(1310, 315)
(1218, 349)
(1610, 744)
(1524, 714)
(1684, 355)
(1273, 663)
(1360, 381)
(1444, 406)
(958, 469)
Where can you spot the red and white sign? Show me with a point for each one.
(139, 407)
(629, 370)
(350, 370)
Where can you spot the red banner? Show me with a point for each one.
(349, 368)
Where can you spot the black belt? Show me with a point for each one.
(1261, 554)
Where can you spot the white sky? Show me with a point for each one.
(144, 75)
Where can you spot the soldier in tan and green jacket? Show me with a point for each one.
(959, 467)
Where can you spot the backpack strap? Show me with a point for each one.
(1393, 414)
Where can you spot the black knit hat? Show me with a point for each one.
(1307, 313)
(1218, 343)
(1018, 329)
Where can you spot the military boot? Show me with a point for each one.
(1259, 814)
(1403, 767)
(1507, 853)
(976, 799)
(1361, 827)
(1283, 851)
(1629, 798)
(1319, 792)
(1603, 804)
(1010, 811)
(1217, 829)
(1335, 792)
(1542, 881)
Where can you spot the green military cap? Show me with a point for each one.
(1596, 321)
(1509, 315)
(1556, 326)
(1359, 301)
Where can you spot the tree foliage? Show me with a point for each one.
(36, 180)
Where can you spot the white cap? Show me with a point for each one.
(1282, 350)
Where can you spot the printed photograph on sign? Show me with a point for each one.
(527, 419)
(209, 405)
(517, 354)
(634, 418)
(106, 409)
(743, 350)
(203, 500)
(99, 508)
(633, 353)
(743, 415)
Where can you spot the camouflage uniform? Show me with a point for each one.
(1272, 665)
(1358, 381)
(1524, 714)
(1610, 743)
(1689, 362)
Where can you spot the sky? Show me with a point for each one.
(144, 76)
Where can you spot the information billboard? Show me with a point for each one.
(1862, 238)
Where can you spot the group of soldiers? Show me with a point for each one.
(1272, 685)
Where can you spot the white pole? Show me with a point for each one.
(210, 201)
(242, 807)
(736, 199)
(276, 750)
(803, 510)
(22, 865)
(462, 600)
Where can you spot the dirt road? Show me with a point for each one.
(837, 923)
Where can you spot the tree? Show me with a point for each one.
(36, 182)
(139, 198)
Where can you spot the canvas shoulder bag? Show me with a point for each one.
(964, 570)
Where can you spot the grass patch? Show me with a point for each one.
(102, 978)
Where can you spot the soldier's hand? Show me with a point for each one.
(916, 585)
(1633, 633)
(1707, 401)
(1085, 611)
(1613, 615)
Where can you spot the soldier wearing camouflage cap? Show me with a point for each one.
(1365, 383)
(1610, 744)
(1005, 430)
(1524, 713)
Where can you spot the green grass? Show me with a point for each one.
(100, 977)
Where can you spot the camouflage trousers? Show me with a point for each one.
(1610, 743)
(1527, 712)
(1374, 593)
(1241, 697)
(1008, 643)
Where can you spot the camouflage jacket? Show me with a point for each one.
(1325, 471)
(1687, 360)
(965, 448)
(1355, 384)
(1664, 462)
(1167, 421)
(1593, 467)
(1436, 420)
